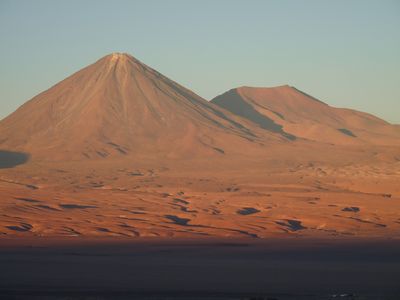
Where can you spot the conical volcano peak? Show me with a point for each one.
(120, 106)
(121, 66)
(117, 57)
(119, 54)
(123, 63)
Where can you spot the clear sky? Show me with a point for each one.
(346, 53)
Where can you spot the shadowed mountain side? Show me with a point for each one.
(285, 109)
(10, 159)
(232, 101)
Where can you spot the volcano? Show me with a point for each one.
(291, 112)
(118, 106)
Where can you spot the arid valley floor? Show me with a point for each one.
(310, 199)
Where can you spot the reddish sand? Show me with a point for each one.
(259, 198)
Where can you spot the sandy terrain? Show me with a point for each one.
(201, 199)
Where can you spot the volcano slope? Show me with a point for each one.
(117, 149)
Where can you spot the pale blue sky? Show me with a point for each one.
(346, 53)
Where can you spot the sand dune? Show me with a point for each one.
(267, 201)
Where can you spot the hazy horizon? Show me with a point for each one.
(344, 53)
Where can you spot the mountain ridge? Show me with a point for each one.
(304, 116)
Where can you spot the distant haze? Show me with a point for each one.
(345, 53)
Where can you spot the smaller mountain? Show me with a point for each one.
(295, 114)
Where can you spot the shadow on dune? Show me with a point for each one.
(347, 132)
(247, 211)
(9, 159)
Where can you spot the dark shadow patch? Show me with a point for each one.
(137, 212)
(22, 228)
(278, 114)
(72, 231)
(368, 222)
(347, 132)
(351, 209)
(102, 229)
(136, 173)
(292, 225)
(130, 229)
(219, 150)
(177, 220)
(76, 206)
(177, 200)
(247, 211)
(47, 207)
(233, 102)
(184, 222)
(215, 211)
(27, 200)
(32, 187)
(96, 184)
(102, 154)
(119, 148)
(9, 159)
